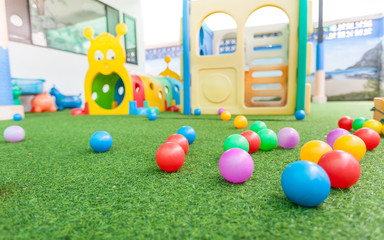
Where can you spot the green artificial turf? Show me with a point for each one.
(53, 186)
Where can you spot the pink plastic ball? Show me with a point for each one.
(335, 134)
(288, 137)
(14, 134)
(236, 165)
(221, 110)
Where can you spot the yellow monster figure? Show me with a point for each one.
(108, 87)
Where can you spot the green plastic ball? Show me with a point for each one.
(358, 123)
(236, 141)
(257, 126)
(268, 139)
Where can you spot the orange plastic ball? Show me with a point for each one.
(373, 124)
(313, 150)
(225, 116)
(240, 121)
(352, 144)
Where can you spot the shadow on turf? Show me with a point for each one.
(214, 119)
(5, 191)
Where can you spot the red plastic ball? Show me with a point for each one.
(179, 139)
(346, 123)
(342, 168)
(370, 137)
(253, 140)
(170, 157)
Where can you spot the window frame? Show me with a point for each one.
(126, 36)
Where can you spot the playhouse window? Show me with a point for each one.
(217, 35)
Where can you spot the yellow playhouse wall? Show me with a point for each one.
(218, 81)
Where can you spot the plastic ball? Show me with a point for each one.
(101, 141)
(253, 140)
(268, 139)
(300, 115)
(188, 132)
(345, 123)
(236, 165)
(373, 124)
(225, 116)
(335, 134)
(236, 141)
(342, 168)
(352, 144)
(179, 139)
(240, 121)
(305, 183)
(14, 134)
(170, 157)
(313, 150)
(152, 116)
(17, 117)
(288, 137)
(369, 136)
(220, 111)
(257, 126)
(197, 112)
(358, 123)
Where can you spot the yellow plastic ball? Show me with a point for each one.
(313, 150)
(240, 121)
(352, 144)
(373, 124)
(225, 116)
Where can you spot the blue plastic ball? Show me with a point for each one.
(300, 115)
(197, 112)
(152, 116)
(17, 117)
(188, 132)
(101, 141)
(305, 183)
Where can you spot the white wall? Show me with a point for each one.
(64, 69)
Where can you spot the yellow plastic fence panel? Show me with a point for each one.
(154, 92)
(309, 58)
(218, 81)
(310, 22)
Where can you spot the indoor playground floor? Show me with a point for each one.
(54, 186)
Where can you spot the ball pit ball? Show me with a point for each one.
(170, 157)
(188, 132)
(369, 136)
(225, 116)
(179, 139)
(300, 115)
(253, 140)
(345, 123)
(342, 168)
(197, 112)
(288, 137)
(358, 123)
(240, 121)
(220, 111)
(373, 124)
(257, 126)
(313, 150)
(101, 141)
(14, 134)
(305, 183)
(268, 139)
(236, 165)
(335, 134)
(152, 116)
(352, 144)
(236, 141)
(17, 117)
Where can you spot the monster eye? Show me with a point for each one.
(111, 54)
(99, 55)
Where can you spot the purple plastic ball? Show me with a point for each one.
(335, 134)
(221, 110)
(14, 134)
(288, 137)
(236, 165)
